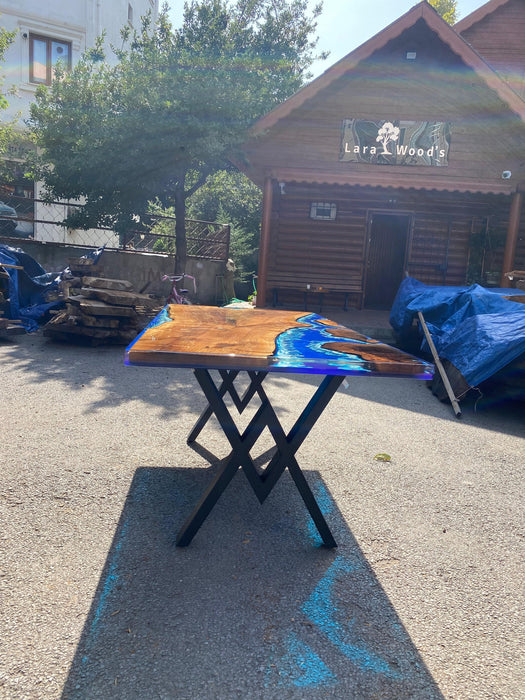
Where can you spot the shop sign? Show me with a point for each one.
(395, 142)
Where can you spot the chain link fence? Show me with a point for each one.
(22, 217)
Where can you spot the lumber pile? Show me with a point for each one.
(98, 309)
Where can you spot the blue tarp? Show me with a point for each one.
(477, 329)
(27, 287)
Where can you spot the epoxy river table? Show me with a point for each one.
(258, 342)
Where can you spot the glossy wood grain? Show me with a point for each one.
(279, 341)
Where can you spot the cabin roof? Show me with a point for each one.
(449, 35)
(478, 15)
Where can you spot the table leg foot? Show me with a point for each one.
(206, 503)
(312, 506)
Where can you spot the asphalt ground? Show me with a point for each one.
(423, 598)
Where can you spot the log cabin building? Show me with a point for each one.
(408, 155)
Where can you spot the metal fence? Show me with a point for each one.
(204, 239)
(35, 219)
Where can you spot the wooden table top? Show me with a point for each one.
(265, 339)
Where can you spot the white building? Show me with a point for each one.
(49, 31)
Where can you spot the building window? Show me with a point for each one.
(326, 211)
(130, 15)
(44, 54)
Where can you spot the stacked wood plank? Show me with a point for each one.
(99, 309)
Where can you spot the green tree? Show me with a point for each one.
(448, 9)
(6, 39)
(172, 109)
(229, 197)
(11, 140)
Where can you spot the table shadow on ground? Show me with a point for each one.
(254, 607)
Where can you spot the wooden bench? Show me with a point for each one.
(312, 284)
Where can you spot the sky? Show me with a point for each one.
(346, 24)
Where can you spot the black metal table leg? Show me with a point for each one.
(286, 446)
(206, 503)
(208, 412)
(226, 387)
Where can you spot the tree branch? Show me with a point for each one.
(199, 183)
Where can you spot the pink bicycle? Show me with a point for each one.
(178, 296)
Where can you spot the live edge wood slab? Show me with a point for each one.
(265, 339)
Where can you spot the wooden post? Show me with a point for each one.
(439, 365)
(512, 237)
(264, 245)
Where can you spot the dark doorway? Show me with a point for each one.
(387, 246)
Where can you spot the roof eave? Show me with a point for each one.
(445, 32)
(478, 15)
(385, 180)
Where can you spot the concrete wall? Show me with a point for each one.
(143, 270)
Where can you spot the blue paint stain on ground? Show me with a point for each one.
(322, 610)
(302, 667)
(110, 582)
(113, 577)
(299, 665)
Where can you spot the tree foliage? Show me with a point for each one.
(11, 140)
(6, 39)
(448, 9)
(172, 109)
(229, 197)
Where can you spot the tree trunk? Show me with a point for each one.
(181, 247)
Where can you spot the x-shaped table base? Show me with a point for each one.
(241, 444)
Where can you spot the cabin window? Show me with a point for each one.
(325, 211)
(44, 55)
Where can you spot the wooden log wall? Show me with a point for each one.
(499, 39)
(442, 224)
(486, 138)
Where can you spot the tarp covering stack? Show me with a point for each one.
(30, 287)
(33, 291)
(479, 330)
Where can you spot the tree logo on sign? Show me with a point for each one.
(388, 132)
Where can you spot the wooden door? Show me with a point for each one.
(388, 236)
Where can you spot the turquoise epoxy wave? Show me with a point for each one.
(306, 345)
